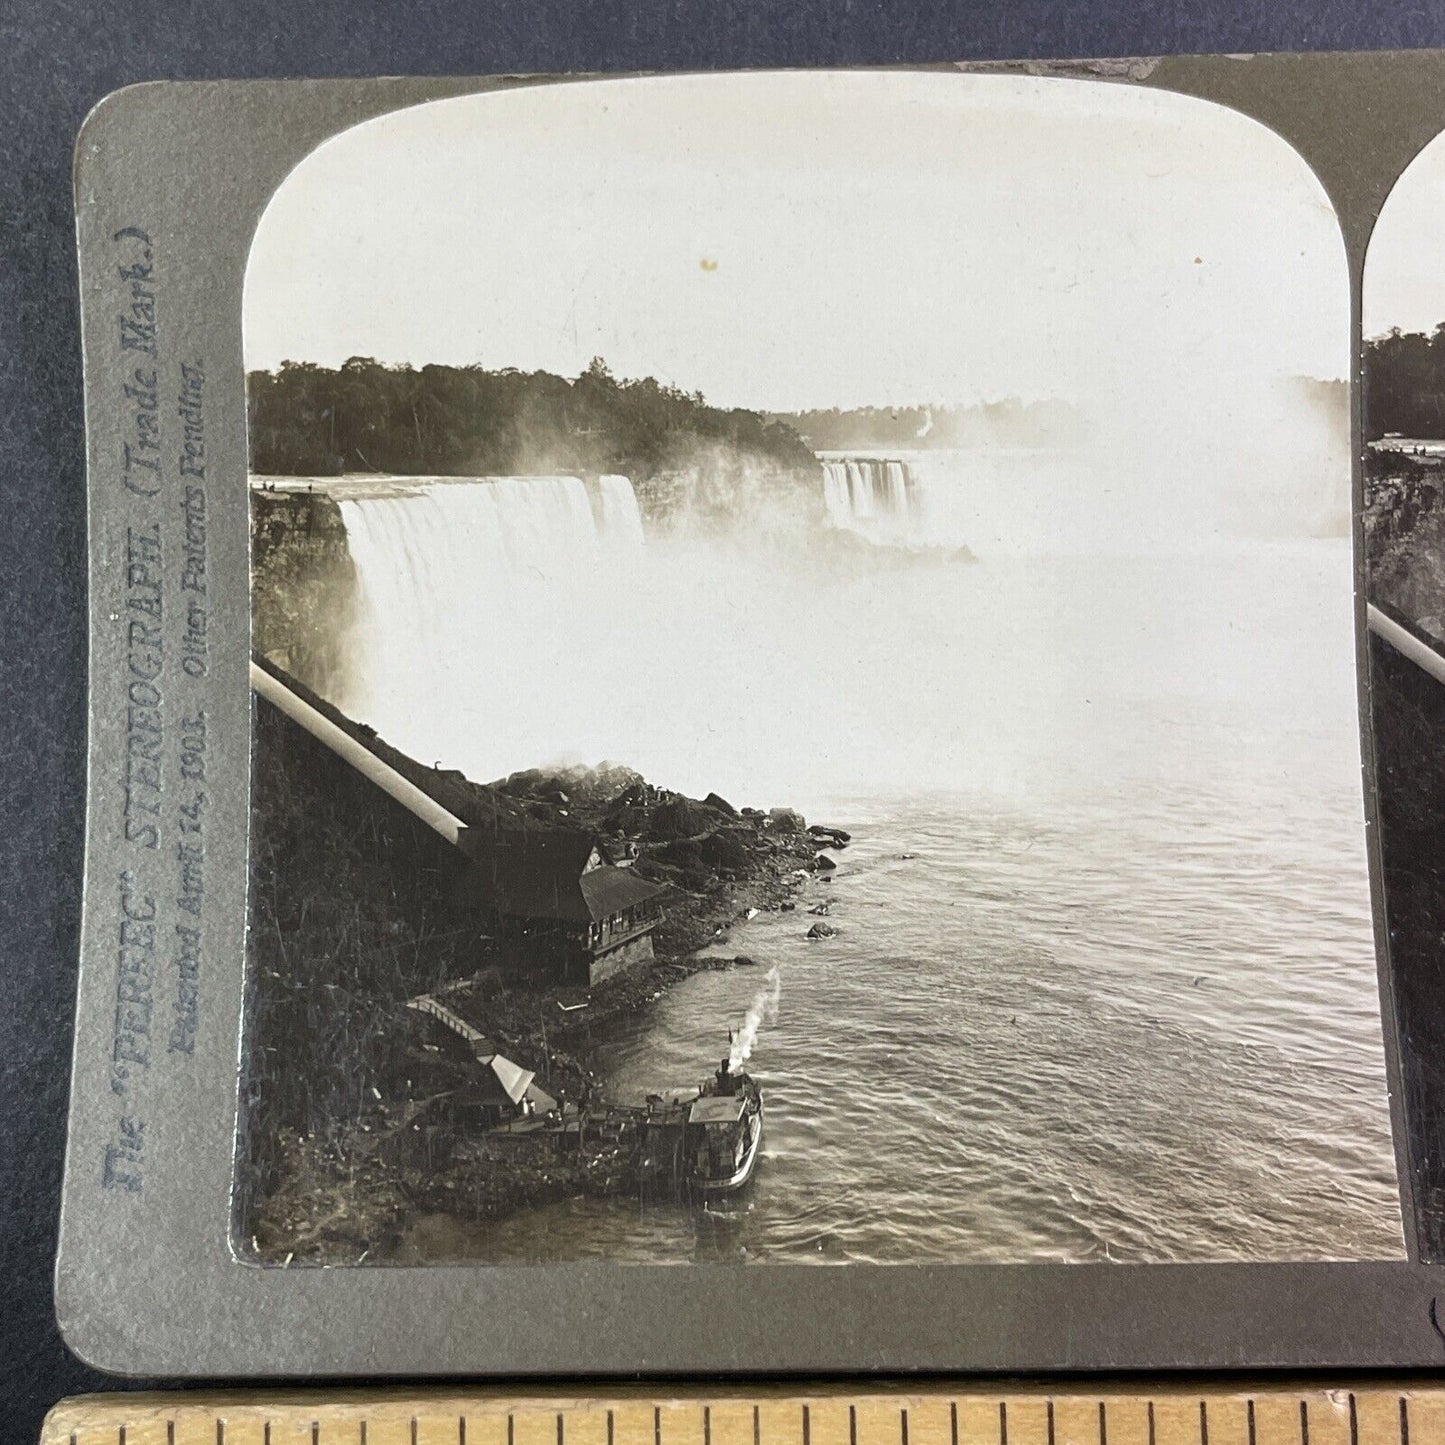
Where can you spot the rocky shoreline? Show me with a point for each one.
(349, 1192)
(1405, 536)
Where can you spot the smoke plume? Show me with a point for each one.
(763, 1009)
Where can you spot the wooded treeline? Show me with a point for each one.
(1405, 384)
(1004, 423)
(308, 420)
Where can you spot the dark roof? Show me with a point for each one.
(543, 873)
(609, 890)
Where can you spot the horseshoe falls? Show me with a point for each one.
(1104, 930)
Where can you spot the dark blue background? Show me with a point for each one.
(57, 58)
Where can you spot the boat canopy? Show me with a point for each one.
(713, 1109)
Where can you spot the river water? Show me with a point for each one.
(1103, 986)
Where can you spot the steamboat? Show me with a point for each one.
(724, 1133)
(705, 1141)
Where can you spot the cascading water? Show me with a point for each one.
(875, 497)
(448, 565)
(1106, 881)
(619, 523)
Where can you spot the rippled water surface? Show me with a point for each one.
(1117, 1001)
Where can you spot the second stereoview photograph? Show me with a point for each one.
(805, 689)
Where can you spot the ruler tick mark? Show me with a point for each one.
(1224, 1427)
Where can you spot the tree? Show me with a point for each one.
(308, 420)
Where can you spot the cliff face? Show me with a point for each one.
(1409, 721)
(351, 913)
(1405, 552)
(1405, 537)
(304, 594)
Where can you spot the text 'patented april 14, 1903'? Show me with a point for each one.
(159, 605)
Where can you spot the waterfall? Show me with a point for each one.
(873, 496)
(422, 547)
(618, 520)
(435, 555)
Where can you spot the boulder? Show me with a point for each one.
(724, 851)
(600, 785)
(634, 795)
(824, 863)
(686, 853)
(786, 820)
(520, 784)
(820, 909)
(680, 817)
(822, 930)
(720, 805)
(834, 837)
(624, 819)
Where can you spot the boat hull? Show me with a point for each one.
(742, 1174)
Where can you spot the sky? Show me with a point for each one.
(1404, 280)
(790, 240)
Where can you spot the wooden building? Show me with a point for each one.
(561, 901)
(571, 914)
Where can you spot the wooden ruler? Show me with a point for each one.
(1174, 1414)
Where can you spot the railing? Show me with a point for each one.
(617, 938)
(366, 762)
(1405, 641)
(426, 1004)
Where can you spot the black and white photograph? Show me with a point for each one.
(1404, 462)
(806, 705)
